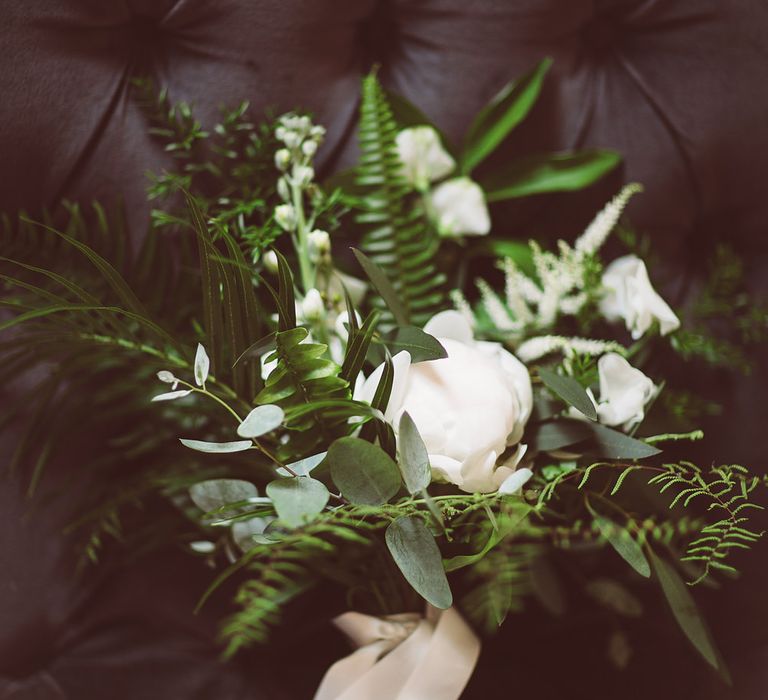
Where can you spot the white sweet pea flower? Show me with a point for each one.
(285, 215)
(459, 208)
(312, 306)
(624, 392)
(423, 156)
(630, 296)
(468, 407)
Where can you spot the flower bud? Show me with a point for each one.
(312, 306)
(270, 261)
(284, 189)
(292, 139)
(309, 148)
(317, 132)
(319, 243)
(285, 215)
(282, 159)
(303, 175)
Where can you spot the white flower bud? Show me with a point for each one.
(282, 159)
(280, 133)
(285, 215)
(284, 189)
(292, 139)
(303, 175)
(312, 306)
(270, 261)
(319, 243)
(317, 132)
(309, 148)
(460, 209)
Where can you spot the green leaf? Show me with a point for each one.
(555, 435)
(624, 544)
(285, 293)
(217, 447)
(215, 493)
(384, 287)
(422, 346)
(686, 613)
(414, 459)
(363, 472)
(417, 555)
(615, 445)
(501, 115)
(357, 347)
(570, 391)
(298, 500)
(550, 172)
(261, 420)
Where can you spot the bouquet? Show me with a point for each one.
(351, 402)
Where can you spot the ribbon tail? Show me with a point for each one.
(347, 671)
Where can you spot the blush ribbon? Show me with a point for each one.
(403, 657)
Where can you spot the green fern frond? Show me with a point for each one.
(398, 235)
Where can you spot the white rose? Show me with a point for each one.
(630, 296)
(423, 156)
(624, 392)
(468, 407)
(459, 208)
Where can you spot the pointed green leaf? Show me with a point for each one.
(570, 391)
(686, 613)
(384, 287)
(550, 172)
(624, 544)
(615, 445)
(421, 346)
(413, 456)
(417, 555)
(501, 115)
(363, 472)
(298, 500)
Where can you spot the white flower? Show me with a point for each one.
(302, 175)
(270, 261)
(423, 156)
(459, 208)
(319, 243)
(468, 407)
(630, 296)
(285, 215)
(309, 148)
(282, 159)
(312, 306)
(624, 392)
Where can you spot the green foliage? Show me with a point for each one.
(398, 235)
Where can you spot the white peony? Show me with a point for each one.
(624, 392)
(423, 157)
(630, 296)
(459, 208)
(468, 407)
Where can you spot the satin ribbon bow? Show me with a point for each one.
(403, 657)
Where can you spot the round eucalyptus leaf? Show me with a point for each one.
(215, 493)
(298, 500)
(217, 447)
(260, 421)
(414, 459)
(363, 472)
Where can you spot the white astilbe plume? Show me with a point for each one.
(463, 306)
(562, 278)
(598, 231)
(536, 348)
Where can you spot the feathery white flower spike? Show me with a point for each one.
(202, 366)
(598, 231)
(540, 346)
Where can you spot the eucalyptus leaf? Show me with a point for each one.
(217, 447)
(570, 391)
(202, 365)
(171, 395)
(624, 544)
(363, 472)
(550, 172)
(417, 555)
(414, 459)
(384, 287)
(686, 613)
(304, 466)
(501, 115)
(420, 345)
(260, 421)
(216, 493)
(298, 500)
(615, 445)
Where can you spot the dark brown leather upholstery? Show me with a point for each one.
(677, 86)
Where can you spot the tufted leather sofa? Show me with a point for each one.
(677, 86)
